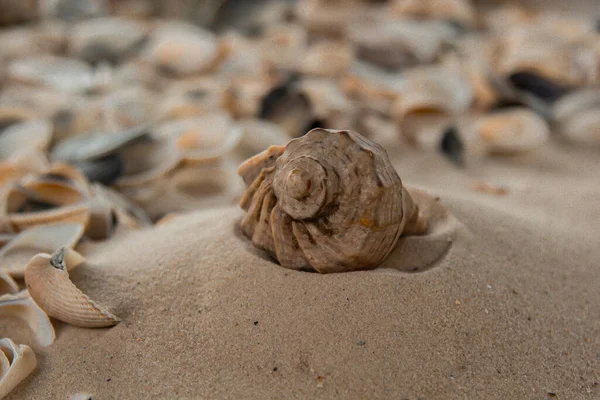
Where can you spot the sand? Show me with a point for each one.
(510, 311)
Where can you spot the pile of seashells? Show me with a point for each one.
(114, 114)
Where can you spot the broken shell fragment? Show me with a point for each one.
(399, 44)
(62, 74)
(96, 145)
(21, 305)
(16, 363)
(23, 137)
(202, 139)
(327, 58)
(49, 285)
(48, 198)
(182, 49)
(431, 99)
(461, 11)
(7, 284)
(511, 131)
(105, 39)
(329, 201)
(577, 116)
(15, 255)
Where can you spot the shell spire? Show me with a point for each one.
(329, 201)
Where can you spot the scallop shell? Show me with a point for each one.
(23, 137)
(330, 200)
(511, 131)
(461, 11)
(563, 58)
(330, 105)
(49, 285)
(202, 139)
(399, 44)
(105, 39)
(432, 97)
(96, 145)
(329, 18)
(129, 108)
(192, 98)
(257, 136)
(61, 74)
(374, 88)
(22, 306)
(283, 46)
(576, 115)
(16, 363)
(15, 255)
(45, 199)
(327, 58)
(182, 49)
(148, 160)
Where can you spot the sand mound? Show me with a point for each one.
(509, 310)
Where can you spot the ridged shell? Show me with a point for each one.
(15, 255)
(49, 285)
(16, 363)
(330, 200)
(21, 305)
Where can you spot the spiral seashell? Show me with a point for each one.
(16, 363)
(329, 201)
(49, 285)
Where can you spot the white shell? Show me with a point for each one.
(62, 74)
(23, 137)
(15, 255)
(182, 49)
(16, 363)
(22, 306)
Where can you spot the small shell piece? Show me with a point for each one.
(16, 363)
(330, 200)
(399, 44)
(512, 131)
(104, 38)
(182, 49)
(23, 137)
(202, 139)
(7, 284)
(62, 74)
(57, 196)
(461, 11)
(578, 116)
(431, 99)
(327, 58)
(21, 305)
(15, 255)
(49, 285)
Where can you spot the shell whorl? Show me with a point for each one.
(329, 201)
